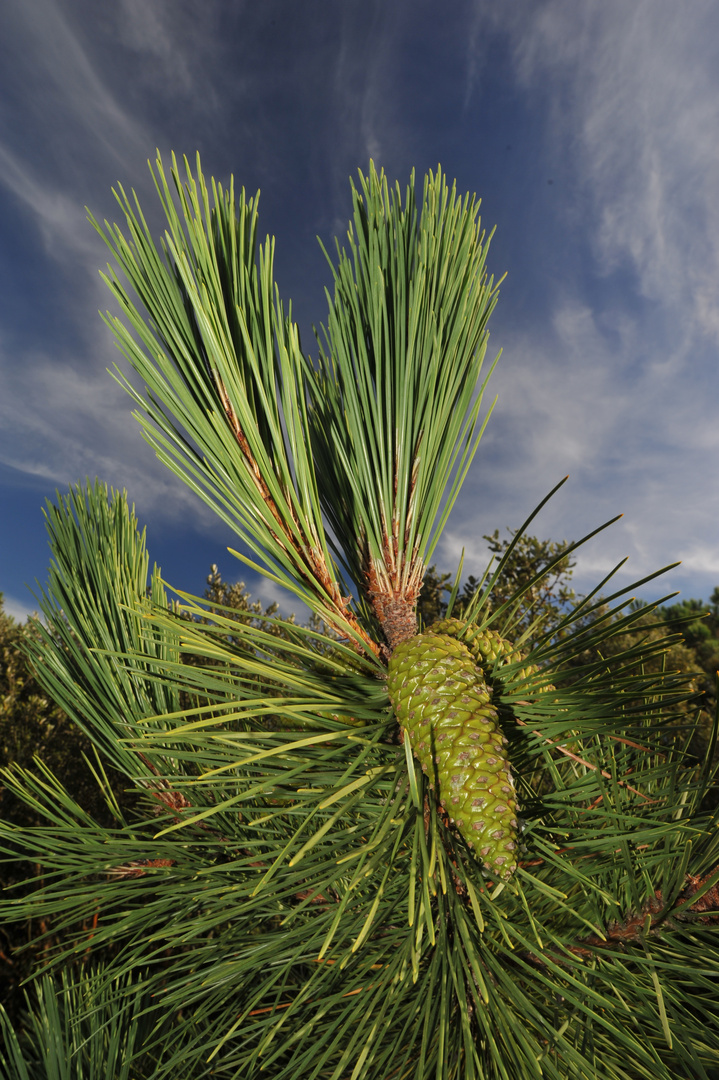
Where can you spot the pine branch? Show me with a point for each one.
(655, 919)
(396, 401)
(308, 556)
(555, 744)
(203, 326)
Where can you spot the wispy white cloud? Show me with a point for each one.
(69, 423)
(61, 67)
(84, 102)
(636, 445)
(633, 96)
(178, 41)
(361, 124)
(59, 218)
(617, 384)
(149, 29)
(61, 416)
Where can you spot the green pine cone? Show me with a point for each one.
(489, 649)
(486, 646)
(444, 707)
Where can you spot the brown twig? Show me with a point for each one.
(309, 558)
(393, 585)
(634, 927)
(650, 920)
(581, 761)
(175, 800)
(136, 868)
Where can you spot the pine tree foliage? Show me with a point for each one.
(698, 623)
(399, 391)
(225, 404)
(33, 726)
(78, 1030)
(287, 893)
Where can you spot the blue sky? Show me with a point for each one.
(590, 129)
